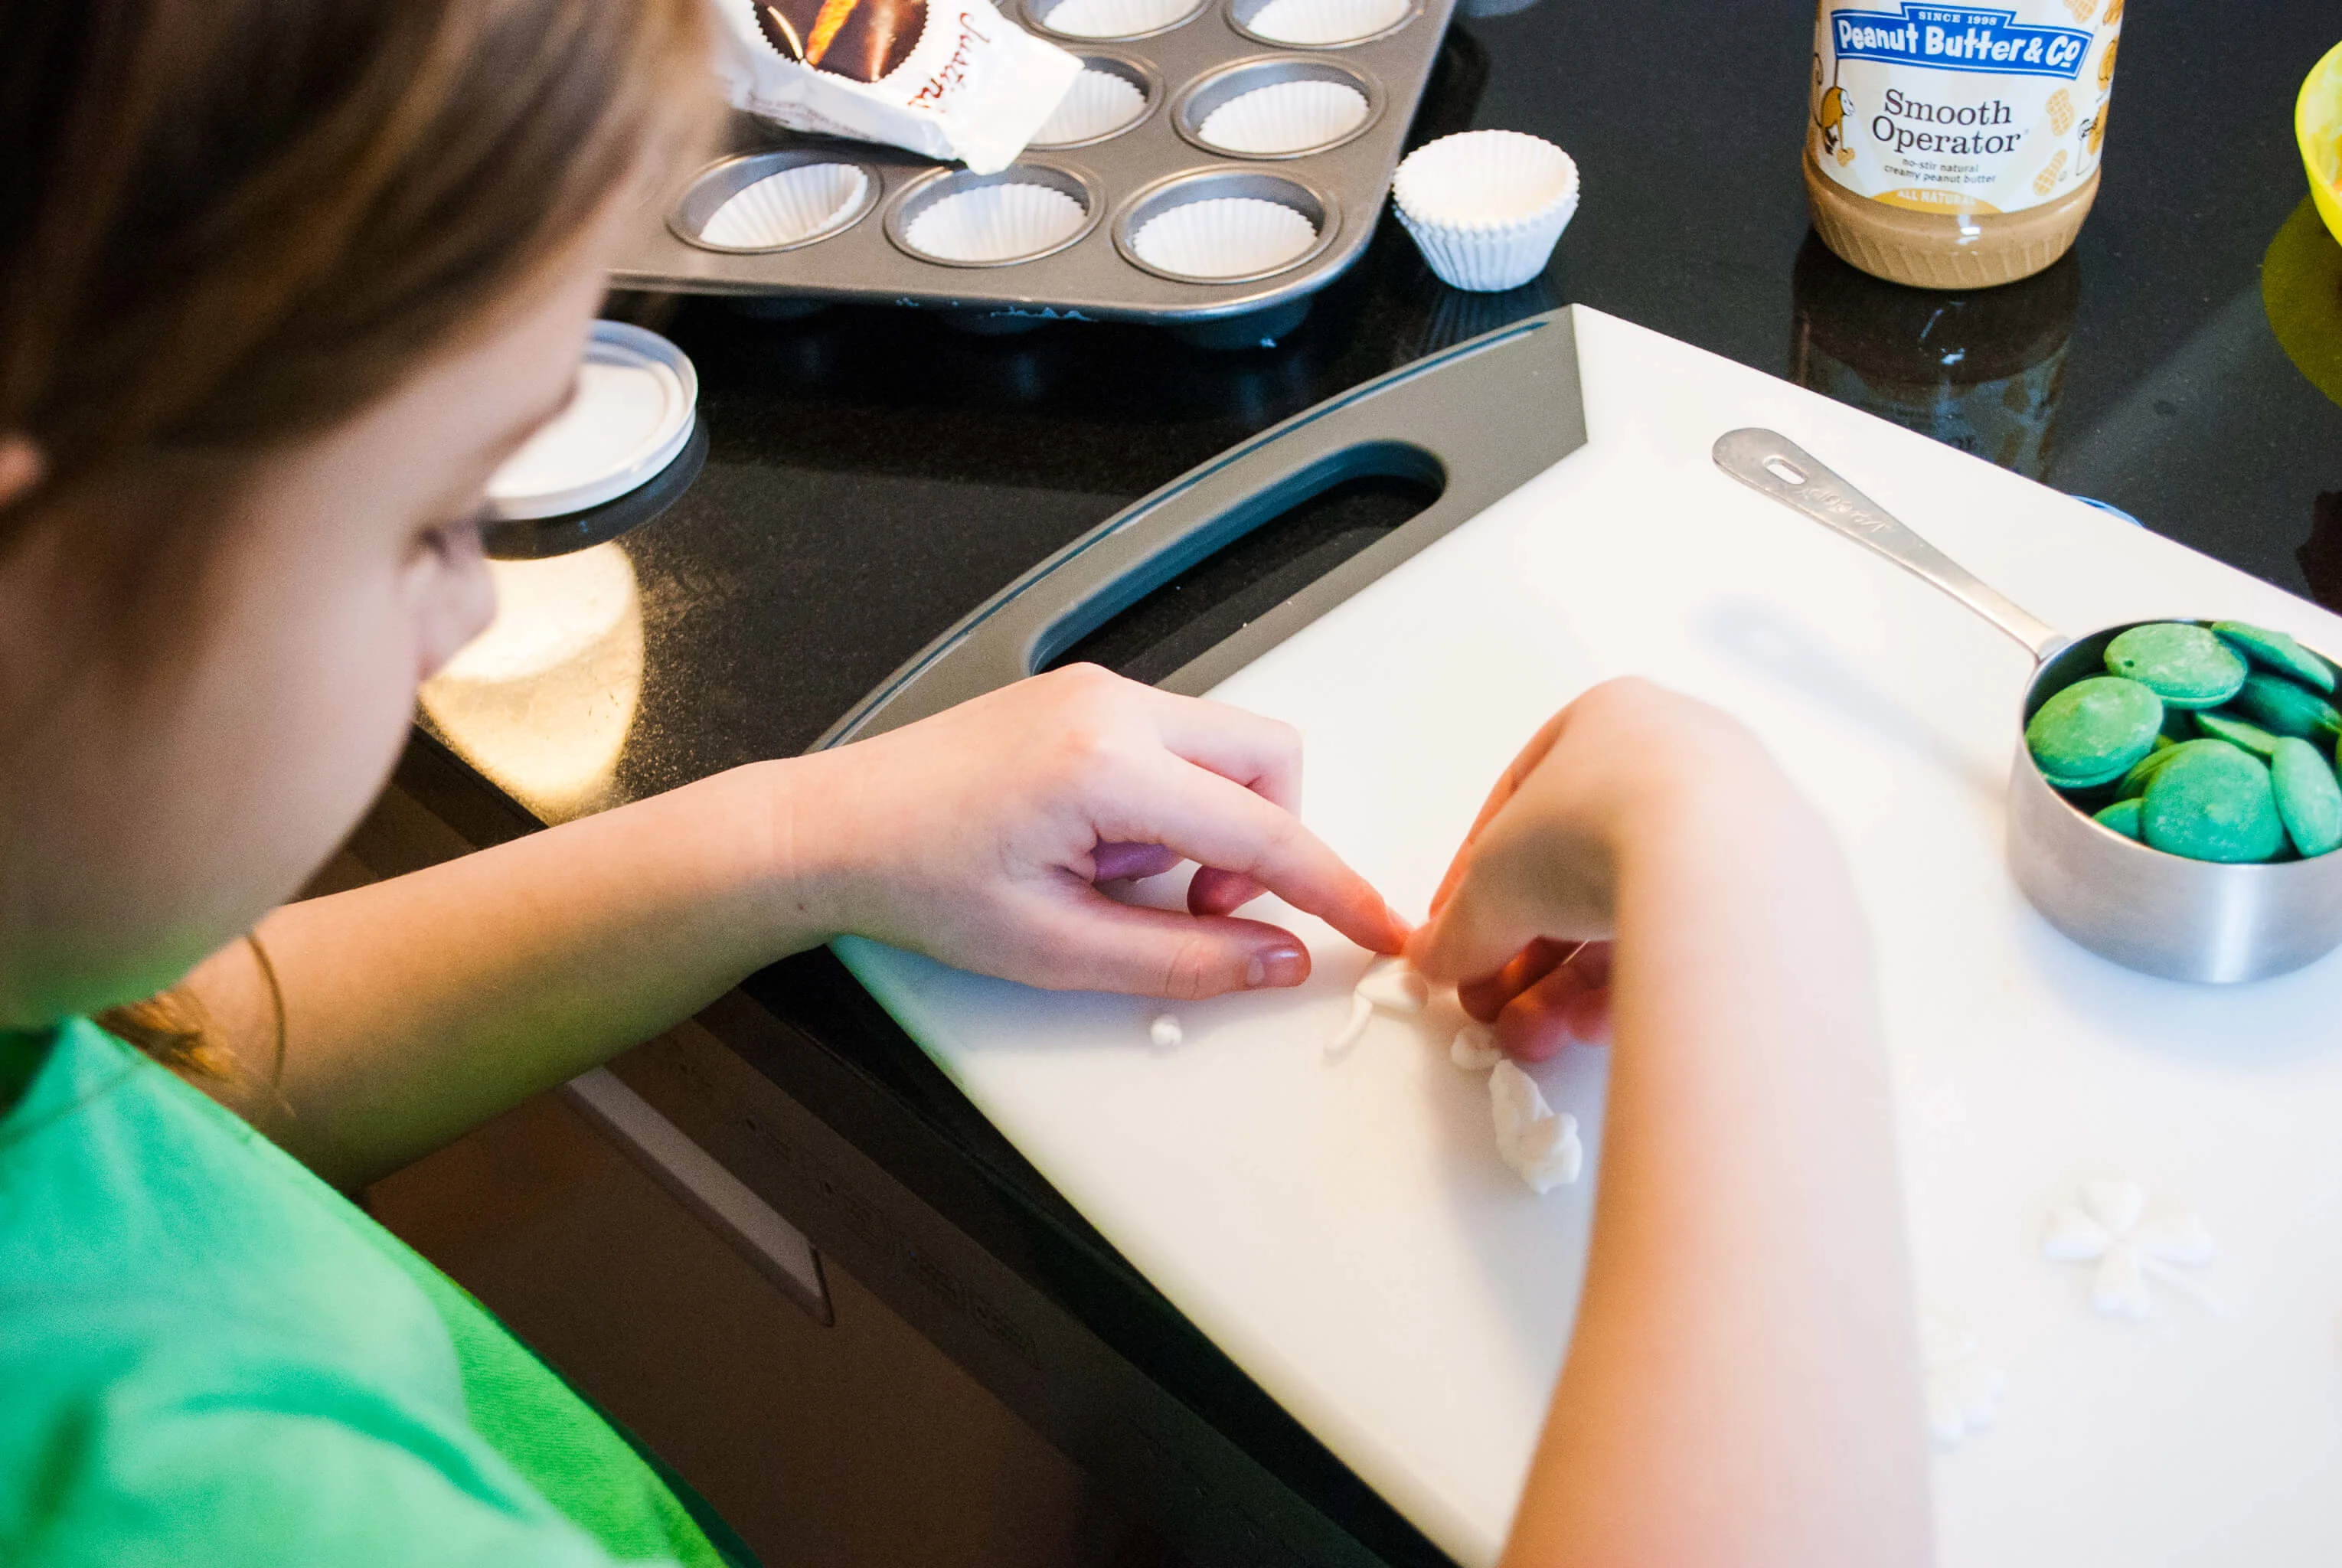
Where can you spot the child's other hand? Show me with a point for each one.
(1523, 919)
(979, 837)
(1547, 995)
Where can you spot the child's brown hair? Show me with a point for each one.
(227, 224)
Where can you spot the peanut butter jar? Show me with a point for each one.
(1953, 147)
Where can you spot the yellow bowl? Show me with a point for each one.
(2317, 121)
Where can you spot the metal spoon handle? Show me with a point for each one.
(1772, 464)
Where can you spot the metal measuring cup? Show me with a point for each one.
(2146, 909)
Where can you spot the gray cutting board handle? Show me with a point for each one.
(1477, 420)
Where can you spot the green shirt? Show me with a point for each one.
(207, 1355)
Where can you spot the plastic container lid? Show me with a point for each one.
(636, 397)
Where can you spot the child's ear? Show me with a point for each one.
(22, 464)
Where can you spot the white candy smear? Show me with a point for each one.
(1362, 1013)
(1164, 1032)
(2111, 1226)
(1474, 1048)
(1535, 1140)
(1389, 984)
(1963, 1390)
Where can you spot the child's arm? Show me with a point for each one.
(420, 1007)
(1742, 1386)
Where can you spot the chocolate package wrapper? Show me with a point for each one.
(949, 78)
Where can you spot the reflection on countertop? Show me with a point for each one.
(2301, 290)
(1456, 314)
(542, 701)
(2321, 553)
(1980, 371)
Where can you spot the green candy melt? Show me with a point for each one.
(2093, 731)
(2134, 782)
(2277, 651)
(2212, 800)
(2308, 798)
(2236, 733)
(2122, 816)
(2181, 662)
(2284, 708)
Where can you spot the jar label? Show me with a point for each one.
(1961, 108)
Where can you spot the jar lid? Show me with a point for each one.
(632, 415)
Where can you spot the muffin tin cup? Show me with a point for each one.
(1197, 186)
(1108, 21)
(721, 183)
(1320, 24)
(1256, 84)
(1101, 62)
(919, 198)
(1085, 274)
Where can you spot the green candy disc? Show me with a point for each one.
(2134, 782)
(2223, 726)
(2122, 816)
(2308, 798)
(2183, 664)
(2091, 732)
(2276, 651)
(2282, 708)
(2212, 800)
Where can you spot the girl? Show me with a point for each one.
(281, 284)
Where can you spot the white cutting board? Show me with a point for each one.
(1341, 1227)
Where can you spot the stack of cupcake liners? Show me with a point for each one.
(1486, 207)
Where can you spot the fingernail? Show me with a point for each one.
(1276, 966)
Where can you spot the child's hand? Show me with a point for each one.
(979, 837)
(1545, 996)
(1747, 1041)
(1523, 918)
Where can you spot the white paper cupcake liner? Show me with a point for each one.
(1099, 104)
(1310, 23)
(1286, 117)
(996, 223)
(1486, 207)
(1224, 237)
(787, 208)
(1114, 18)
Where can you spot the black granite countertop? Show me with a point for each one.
(875, 473)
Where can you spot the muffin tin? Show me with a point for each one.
(1215, 158)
